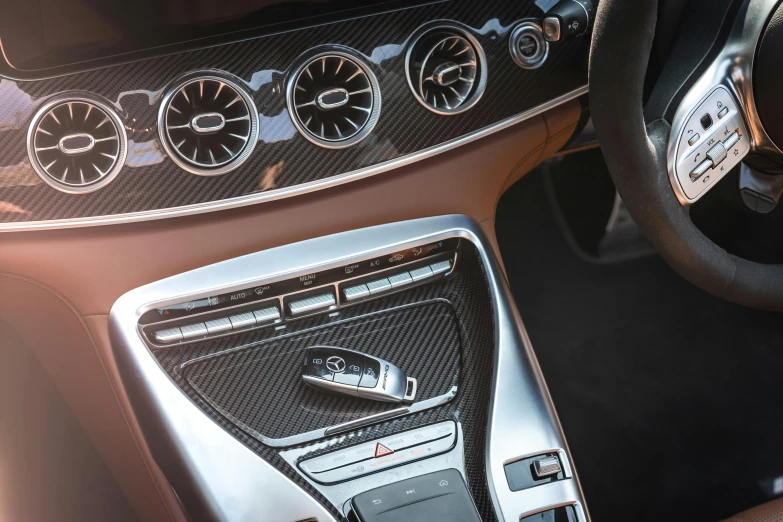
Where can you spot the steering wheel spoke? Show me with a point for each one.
(726, 84)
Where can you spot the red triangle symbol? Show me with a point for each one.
(381, 450)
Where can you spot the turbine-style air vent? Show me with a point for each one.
(334, 99)
(77, 143)
(446, 69)
(208, 124)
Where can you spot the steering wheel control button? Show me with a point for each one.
(379, 286)
(546, 466)
(717, 154)
(372, 369)
(377, 455)
(169, 335)
(314, 303)
(352, 293)
(389, 383)
(527, 45)
(707, 156)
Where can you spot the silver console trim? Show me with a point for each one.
(304, 188)
(229, 482)
(733, 69)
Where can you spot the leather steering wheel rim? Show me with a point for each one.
(636, 154)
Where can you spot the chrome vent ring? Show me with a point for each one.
(77, 143)
(208, 124)
(334, 99)
(446, 69)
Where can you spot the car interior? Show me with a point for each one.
(391, 260)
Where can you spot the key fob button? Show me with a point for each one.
(315, 364)
(372, 368)
(354, 366)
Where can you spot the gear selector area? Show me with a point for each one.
(357, 374)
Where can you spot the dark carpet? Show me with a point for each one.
(671, 399)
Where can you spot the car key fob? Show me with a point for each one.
(353, 373)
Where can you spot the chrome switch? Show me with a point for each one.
(353, 373)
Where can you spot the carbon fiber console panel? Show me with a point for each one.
(421, 330)
(206, 407)
(283, 162)
(423, 340)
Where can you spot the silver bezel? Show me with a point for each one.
(122, 138)
(183, 162)
(305, 60)
(464, 32)
(732, 69)
(537, 33)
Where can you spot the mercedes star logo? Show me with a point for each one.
(335, 364)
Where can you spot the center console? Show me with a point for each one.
(380, 374)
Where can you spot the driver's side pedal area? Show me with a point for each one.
(589, 210)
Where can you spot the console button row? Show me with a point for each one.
(395, 450)
(187, 332)
(379, 286)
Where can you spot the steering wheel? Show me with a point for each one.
(702, 120)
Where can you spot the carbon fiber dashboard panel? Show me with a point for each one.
(282, 159)
(453, 311)
(423, 340)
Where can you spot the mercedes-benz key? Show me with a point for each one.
(353, 373)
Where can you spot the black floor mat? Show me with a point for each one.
(671, 399)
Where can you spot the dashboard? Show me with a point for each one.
(260, 232)
(238, 123)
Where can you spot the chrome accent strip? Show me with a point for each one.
(303, 188)
(233, 483)
(733, 69)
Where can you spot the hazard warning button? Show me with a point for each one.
(381, 450)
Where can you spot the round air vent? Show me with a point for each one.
(334, 99)
(77, 143)
(208, 124)
(446, 69)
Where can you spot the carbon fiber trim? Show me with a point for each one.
(464, 297)
(283, 159)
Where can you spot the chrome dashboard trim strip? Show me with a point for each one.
(216, 474)
(303, 188)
